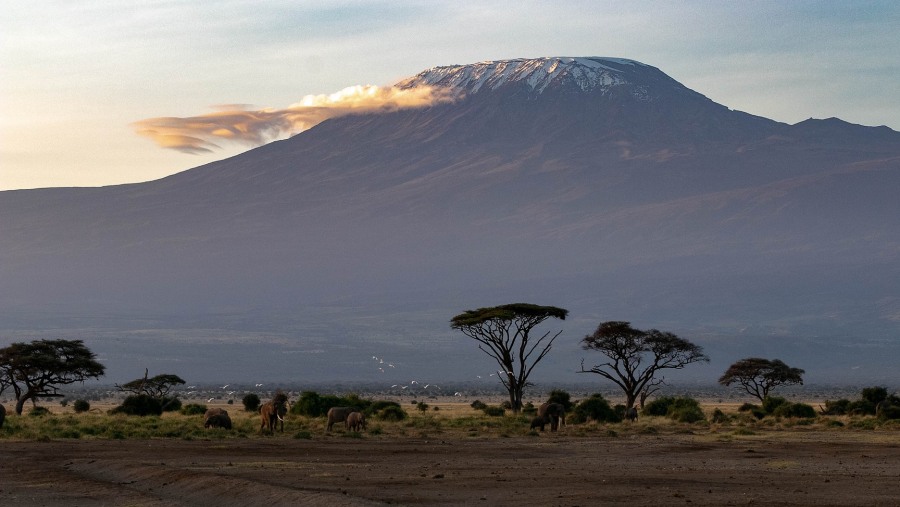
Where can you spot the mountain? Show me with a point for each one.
(600, 185)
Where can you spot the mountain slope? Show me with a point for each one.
(599, 185)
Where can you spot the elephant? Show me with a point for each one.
(554, 413)
(338, 415)
(273, 412)
(631, 414)
(356, 421)
(2, 415)
(538, 422)
(216, 418)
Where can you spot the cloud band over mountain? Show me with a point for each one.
(237, 123)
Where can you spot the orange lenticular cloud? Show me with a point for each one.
(236, 123)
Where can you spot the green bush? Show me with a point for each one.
(478, 405)
(81, 406)
(392, 413)
(874, 395)
(799, 410)
(892, 411)
(861, 407)
(422, 407)
(39, 411)
(748, 407)
(251, 402)
(494, 411)
(193, 409)
(378, 406)
(770, 403)
(309, 404)
(140, 405)
(170, 404)
(561, 397)
(686, 410)
(719, 417)
(595, 408)
(659, 406)
(839, 407)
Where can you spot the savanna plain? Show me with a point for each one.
(449, 454)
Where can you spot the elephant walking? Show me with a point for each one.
(631, 414)
(554, 413)
(273, 412)
(356, 421)
(338, 415)
(217, 418)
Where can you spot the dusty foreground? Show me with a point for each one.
(812, 468)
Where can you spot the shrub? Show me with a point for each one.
(376, 407)
(892, 411)
(861, 407)
(719, 417)
(81, 406)
(595, 408)
(39, 411)
(800, 410)
(193, 409)
(392, 413)
(422, 407)
(494, 411)
(561, 397)
(770, 403)
(139, 404)
(478, 405)
(686, 410)
(839, 407)
(251, 402)
(309, 404)
(874, 395)
(748, 407)
(529, 409)
(506, 405)
(659, 406)
(170, 404)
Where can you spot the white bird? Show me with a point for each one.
(381, 370)
(395, 385)
(403, 387)
(426, 386)
(413, 382)
(392, 366)
(259, 385)
(210, 400)
(479, 376)
(226, 385)
(457, 393)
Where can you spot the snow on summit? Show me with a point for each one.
(588, 73)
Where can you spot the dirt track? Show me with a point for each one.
(552, 469)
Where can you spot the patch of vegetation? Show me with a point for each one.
(193, 409)
(251, 402)
(494, 411)
(81, 406)
(594, 408)
(38, 412)
(797, 410)
(140, 405)
(681, 409)
(478, 405)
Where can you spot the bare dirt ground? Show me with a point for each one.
(780, 468)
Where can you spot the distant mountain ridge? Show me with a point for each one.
(600, 185)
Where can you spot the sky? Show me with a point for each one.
(87, 87)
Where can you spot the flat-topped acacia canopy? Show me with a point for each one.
(507, 312)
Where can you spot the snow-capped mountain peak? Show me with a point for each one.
(587, 73)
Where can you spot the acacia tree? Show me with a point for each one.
(157, 387)
(758, 376)
(37, 369)
(635, 357)
(504, 333)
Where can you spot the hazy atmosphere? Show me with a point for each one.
(309, 192)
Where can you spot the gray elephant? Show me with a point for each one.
(217, 418)
(273, 412)
(338, 415)
(539, 422)
(554, 413)
(356, 421)
(631, 414)
(2, 415)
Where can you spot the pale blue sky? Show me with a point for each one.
(76, 75)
